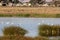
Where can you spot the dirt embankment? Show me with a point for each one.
(36, 10)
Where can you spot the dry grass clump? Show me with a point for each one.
(15, 38)
(21, 38)
(40, 38)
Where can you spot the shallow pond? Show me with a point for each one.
(30, 24)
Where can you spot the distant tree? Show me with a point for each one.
(40, 1)
(14, 30)
(15, 1)
(56, 3)
(33, 2)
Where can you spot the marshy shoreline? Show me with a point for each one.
(38, 12)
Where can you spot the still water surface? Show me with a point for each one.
(30, 24)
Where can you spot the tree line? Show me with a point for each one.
(33, 2)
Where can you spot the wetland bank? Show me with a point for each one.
(44, 12)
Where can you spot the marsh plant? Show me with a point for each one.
(49, 30)
(17, 33)
(14, 30)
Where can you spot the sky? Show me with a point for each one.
(48, 0)
(24, 0)
(29, 0)
(29, 24)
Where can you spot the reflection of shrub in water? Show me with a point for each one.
(27, 15)
(22, 15)
(6, 15)
(58, 15)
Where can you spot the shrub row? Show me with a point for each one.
(31, 15)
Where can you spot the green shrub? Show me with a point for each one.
(26, 15)
(57, 15)
(49, 30)
(14, 30)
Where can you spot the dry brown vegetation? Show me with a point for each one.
(22, 38)
(46, 12)
(30, 10)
